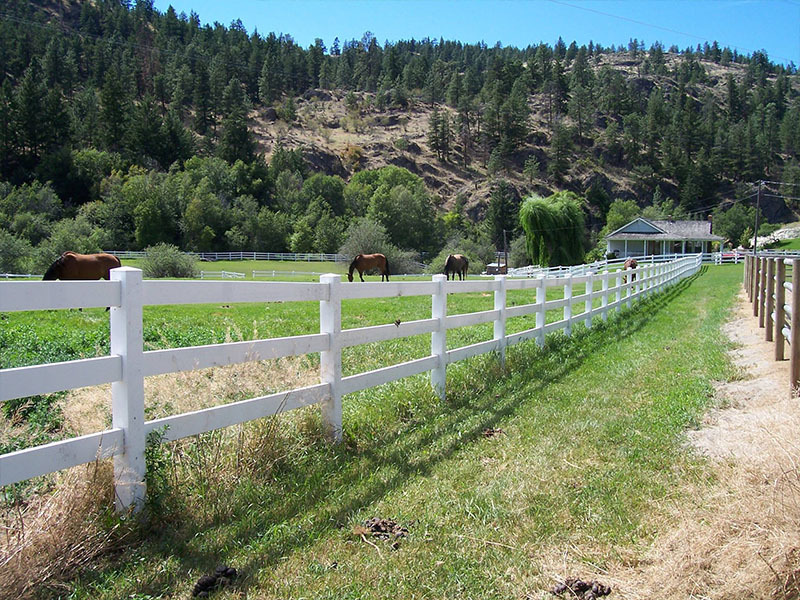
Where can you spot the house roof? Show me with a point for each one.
(644, 229)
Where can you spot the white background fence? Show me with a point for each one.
(128, 364)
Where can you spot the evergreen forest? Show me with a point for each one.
(122, 127)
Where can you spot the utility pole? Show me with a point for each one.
(505, 250)
(758, 208)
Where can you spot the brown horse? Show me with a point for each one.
(72, 265)
(630, 263)
(365, 262)
(456, 264)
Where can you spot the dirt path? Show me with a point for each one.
(741, 537)
(760, 408)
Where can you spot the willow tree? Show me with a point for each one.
(554, 229)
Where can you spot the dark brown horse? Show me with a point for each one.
(630, 263)
(456, 264)
(365, 262)
(72, 265)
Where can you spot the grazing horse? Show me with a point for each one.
(630, 263)
(365, 262)
(72, 265)
(456, 264)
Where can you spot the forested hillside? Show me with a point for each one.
(122, 127)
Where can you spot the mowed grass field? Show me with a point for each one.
(575, 449)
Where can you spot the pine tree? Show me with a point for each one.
(236, 141)
(203, 115)
(29, 107)
(113, 111)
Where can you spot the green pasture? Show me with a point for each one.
(790, 244)
(587, 452)
(284, 270)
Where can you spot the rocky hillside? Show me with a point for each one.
(341, 132)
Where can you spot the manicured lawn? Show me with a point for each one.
(587, 445)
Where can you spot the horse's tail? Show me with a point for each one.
(386, 263)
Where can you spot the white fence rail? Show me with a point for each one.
(221, 275)
(128, 364)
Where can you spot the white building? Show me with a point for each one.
(642, 237)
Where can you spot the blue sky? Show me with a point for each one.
(747, 25)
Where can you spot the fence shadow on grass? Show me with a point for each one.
(479, 398)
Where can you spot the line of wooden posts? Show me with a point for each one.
(776, 302)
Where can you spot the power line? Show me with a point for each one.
(781, 196)
(781, 183)
(697, 37)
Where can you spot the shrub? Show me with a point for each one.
(165, 260)
(366, 236)
(16, 255)
(478, 252)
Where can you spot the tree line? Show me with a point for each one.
(131, 127)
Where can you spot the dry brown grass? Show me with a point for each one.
(88, 410)
(47, 540)
(53, 536)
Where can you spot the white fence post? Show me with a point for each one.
(604, 300)
(541, 297)
(127, 395)
(330, 361)
(439, 337)
(589, 300)
(619, 291)
(500, 322)
(568, 305)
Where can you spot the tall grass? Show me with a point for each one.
(569, 451)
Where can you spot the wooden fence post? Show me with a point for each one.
(568, 305)
(500, 322)
(127, 395)
(330, 360)
(541, 298)
(794, 344)
(762, 292)
(780, 312)
(746, 276)
(587, 307)
(770, 301)
(439, 336)
(604, 299)
(754, 296)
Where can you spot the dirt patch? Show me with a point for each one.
(761, 412)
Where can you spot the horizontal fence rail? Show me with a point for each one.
(128, 364)
(772, 288)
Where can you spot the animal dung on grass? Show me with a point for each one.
(492, 431)
(222, 576)
(574, 587)
(383, 529)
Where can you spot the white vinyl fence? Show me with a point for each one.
(128, 364)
